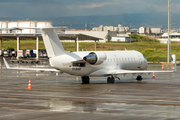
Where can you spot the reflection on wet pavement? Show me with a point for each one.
(61, 96)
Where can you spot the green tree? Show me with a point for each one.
(108, 37)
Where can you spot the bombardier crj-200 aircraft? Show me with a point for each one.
(109, 64)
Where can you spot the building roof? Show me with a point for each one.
(171, 34)
(62, 36)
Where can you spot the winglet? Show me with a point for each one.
(5, 62)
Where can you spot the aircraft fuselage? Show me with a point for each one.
(114, 60)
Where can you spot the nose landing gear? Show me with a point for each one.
(85, 79)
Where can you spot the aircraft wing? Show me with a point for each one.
(33, 69)
(124, 72)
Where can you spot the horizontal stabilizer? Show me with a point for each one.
(6, 64)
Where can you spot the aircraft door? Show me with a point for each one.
(117, 62)
(140, 61)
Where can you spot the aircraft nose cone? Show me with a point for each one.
(145, 64)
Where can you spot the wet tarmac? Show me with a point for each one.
(61, 96)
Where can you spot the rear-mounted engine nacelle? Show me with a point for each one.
(95, 58)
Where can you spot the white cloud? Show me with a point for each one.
(89, 6)
(160, 8)
(175, 8)
(93, 5)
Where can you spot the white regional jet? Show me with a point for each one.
(88, 64)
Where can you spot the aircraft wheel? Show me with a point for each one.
(110, 80)
(139, 78)
(85, 79)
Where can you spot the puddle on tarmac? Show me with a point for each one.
(71, 106)
(114, 108)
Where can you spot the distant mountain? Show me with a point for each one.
(137, 20)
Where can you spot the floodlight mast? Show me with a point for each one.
(130, 31)
(168, 30)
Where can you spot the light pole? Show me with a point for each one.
(168, 31)
(130, 31)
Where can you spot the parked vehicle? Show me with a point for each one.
(21, 53)
(42, 53)
(1, 52)
(7, 52)
(13, 53)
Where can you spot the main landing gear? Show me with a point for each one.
(85, 79)
(110, 79)
(139, 78)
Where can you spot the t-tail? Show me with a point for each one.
(51, 41)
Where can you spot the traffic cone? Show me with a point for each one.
(162, 67)
(153, 77)
(29, 85)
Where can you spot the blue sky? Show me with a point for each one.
(59, 8)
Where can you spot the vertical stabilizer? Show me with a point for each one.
(52, 42)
